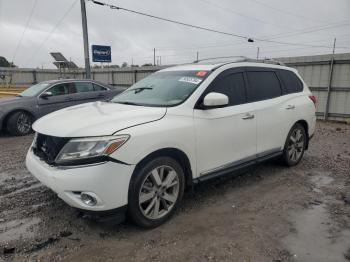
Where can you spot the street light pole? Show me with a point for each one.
(86, 39)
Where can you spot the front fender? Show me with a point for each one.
(169, 132)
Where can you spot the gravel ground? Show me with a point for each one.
(269, 213)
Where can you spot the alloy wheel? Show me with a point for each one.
(23, 123)
(296, 145)
(159, 192)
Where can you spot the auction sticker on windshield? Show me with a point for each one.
(192, 80)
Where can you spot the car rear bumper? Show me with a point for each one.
(108, 182)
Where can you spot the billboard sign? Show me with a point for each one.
(101, 53)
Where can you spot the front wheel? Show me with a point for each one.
(155, 192)
(295, 145)
(19, 124)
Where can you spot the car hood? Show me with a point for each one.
(13, 99)
(96, 119)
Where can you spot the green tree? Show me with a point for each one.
(5, 63)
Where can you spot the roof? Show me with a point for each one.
(56, 81)
(214, 63)
(67, 80)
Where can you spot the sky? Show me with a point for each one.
(31, 29)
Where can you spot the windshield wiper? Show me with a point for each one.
(127, 103)
(140, 89)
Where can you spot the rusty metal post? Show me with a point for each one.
(325, 116)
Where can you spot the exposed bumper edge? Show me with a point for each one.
(108, 182)
(113, 216)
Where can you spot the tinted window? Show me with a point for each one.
(263, 85)
(291, 82)
(232, 86)
(82, 87)
(99, 88)
(62, 89)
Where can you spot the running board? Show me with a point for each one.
(232, 168)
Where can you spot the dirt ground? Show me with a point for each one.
(270, 213)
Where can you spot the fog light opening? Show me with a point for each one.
(88, 199)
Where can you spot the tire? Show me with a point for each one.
(19, 124)
(155, 192)
(295, 145)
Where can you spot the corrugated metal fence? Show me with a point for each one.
(329, 80)
(17, 77)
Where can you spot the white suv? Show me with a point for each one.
(179, 126)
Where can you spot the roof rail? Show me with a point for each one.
(240, 59)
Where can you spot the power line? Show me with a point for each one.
(170, 20)
(235, 44)
(24, 31)
(309, 30)
(286, 12)
(203, 28)
(52, 31)
(243, 15)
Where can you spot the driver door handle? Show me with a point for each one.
(248, 116)
(290, 107)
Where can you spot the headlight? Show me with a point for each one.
(92, 147)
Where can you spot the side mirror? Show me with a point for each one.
(214, 100)
(46, 94)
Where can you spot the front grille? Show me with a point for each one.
(47, 147)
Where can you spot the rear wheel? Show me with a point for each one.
(19, 123)
(155, 192)
(295, 145)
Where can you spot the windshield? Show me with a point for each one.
(167, 88)
(34, 90)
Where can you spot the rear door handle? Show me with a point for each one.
(290, 107)
(248, 116)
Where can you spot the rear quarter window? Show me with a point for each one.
(291, 82)
(263, 85)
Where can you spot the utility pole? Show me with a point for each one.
(86, 39)
(154, 56)
(257, 54)
(197, 56)
(325, 116)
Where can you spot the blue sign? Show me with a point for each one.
(101, 53)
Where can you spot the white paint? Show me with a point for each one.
(210, 138)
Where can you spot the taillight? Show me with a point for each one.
(313, 99)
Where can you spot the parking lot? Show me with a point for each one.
(270, 213)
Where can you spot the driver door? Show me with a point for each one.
(226, 136)
(61, 98)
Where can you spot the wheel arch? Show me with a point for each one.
(175, 153)
(305, 125)
(5, 119)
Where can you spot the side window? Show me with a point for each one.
(82, 87)
(99, 88)
(291, 82)
(62, 89)
(232, 86)
(263, 85)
